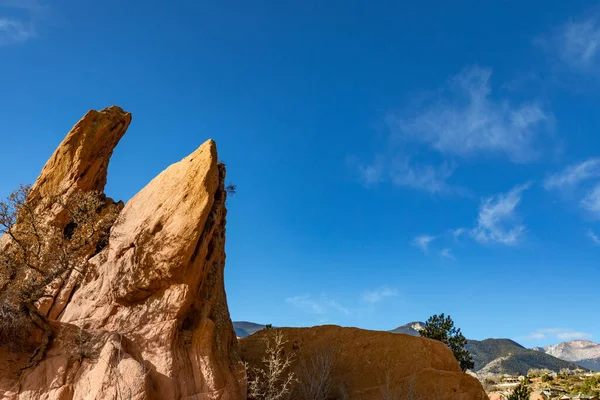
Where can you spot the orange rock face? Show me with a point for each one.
(81, 161)
(371, 363)
(150, 320)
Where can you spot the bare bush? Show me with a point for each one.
(274, 381)
(316, 375)
(84, 345)
(45, 244)
(15, 328)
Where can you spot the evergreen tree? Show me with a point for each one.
(521, 392)
(440, 327)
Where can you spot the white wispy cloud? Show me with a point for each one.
(468, 121)
(560, 333)
(420, 176)
(373, 173)
(15, 31)
(574, 175)
(377, 295)
(422, 242)
(580, 181)
(457, 233)
(464, 120)
(317, 305)
(591, 201)
(592, 235)
(578, 43)
(402, 171)
(573, 335)
(497, 221)
(535, 335)
(446, 253)
(307, 304)
(19, 27)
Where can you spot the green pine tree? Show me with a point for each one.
(521, 392)
(440, 327)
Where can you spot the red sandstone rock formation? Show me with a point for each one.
(416, 368)
(150, 320)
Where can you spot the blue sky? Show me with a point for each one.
(393, 160)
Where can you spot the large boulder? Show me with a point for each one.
(372, 365)
(150, 319)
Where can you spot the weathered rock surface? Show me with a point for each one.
(81, 160)
(79, 164)
(150, 320)
(416, 368)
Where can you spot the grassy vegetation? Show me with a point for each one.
(572, 384)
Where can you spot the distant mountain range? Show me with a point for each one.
(244, 329)
(499, 356)
(506, 356)
(412, 328)
(580, 352)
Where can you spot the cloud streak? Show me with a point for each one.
(580, 181)
(422, 242)
(17, 20)
(446, 253)
(497, 220)
(465, 120)
(457, 233)
(591, 202)
(574, 175)
(560, 333)
(593, 237)
(378, 295)
(497, 223)
(577, 43)
(320, 305)
(402, 171)
(468, 121)
(15, 31)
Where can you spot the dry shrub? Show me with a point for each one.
(45, 244)
(316, 379)
(15, 328)
(274, 381)
(84, 345)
